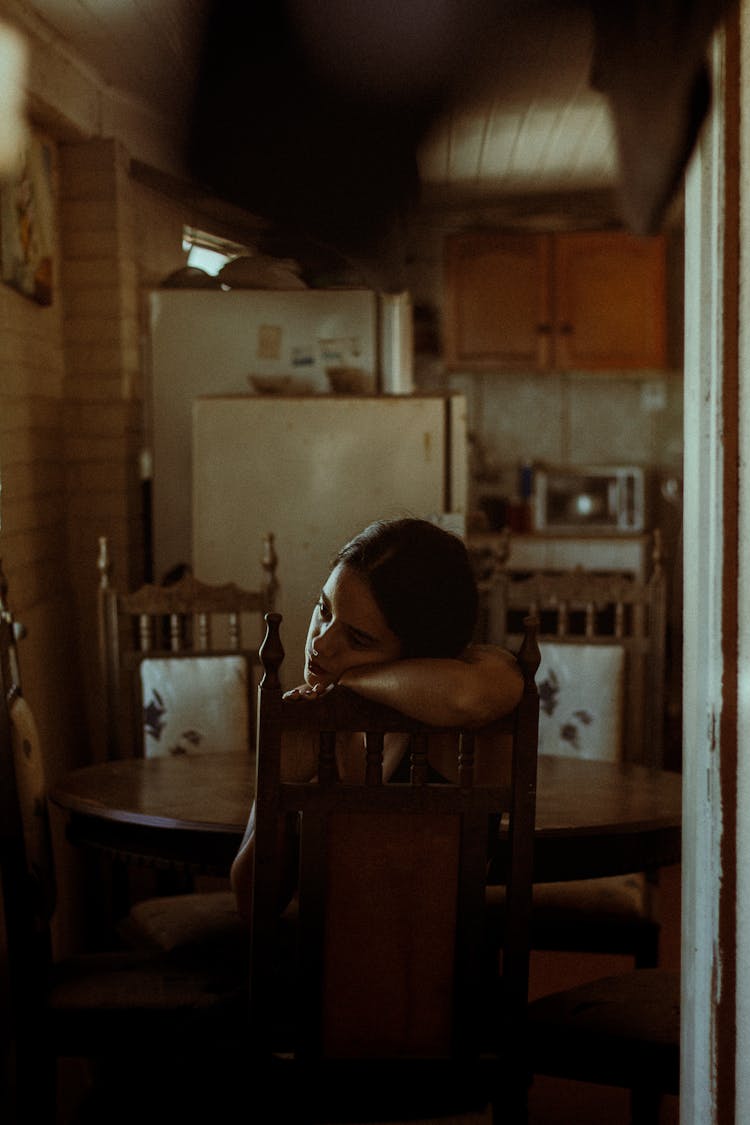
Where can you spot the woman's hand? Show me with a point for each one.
(305, 691)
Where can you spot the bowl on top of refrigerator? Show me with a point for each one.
(271, 384)
(347, 380)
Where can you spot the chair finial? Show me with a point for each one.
(271, 652)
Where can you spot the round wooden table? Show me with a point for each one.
(593, 818)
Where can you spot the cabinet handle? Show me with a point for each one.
(544, 329)
(565, 329)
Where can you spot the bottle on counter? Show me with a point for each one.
(520, 507)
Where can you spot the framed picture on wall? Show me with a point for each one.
(26, 223)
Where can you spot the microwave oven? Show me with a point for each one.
(589, 499)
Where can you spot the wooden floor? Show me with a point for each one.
(573, 1103)
(552, 1101)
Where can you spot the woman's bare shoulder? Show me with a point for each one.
(489, 654)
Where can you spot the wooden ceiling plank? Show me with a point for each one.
(501, 141)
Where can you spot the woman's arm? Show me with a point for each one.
(298, 763)
(241, 872)
(472, 690)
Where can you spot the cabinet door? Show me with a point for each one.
(610, 301)
(497, 313)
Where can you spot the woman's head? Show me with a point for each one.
(401, 588)
(422, 581)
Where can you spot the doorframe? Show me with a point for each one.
(715, 1081)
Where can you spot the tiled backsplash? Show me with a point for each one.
(569, 418)
(566, 417)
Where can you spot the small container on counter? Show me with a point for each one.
(520, 507)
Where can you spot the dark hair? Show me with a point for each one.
(422, 581)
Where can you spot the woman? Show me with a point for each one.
(394, 623)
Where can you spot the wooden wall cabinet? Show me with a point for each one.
(581, 301)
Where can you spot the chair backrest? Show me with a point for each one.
(177, 659)
(26, 860)
(602, 638)
(390, 959)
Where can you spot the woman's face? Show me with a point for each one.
(346, 629)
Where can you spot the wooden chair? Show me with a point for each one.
(621, 1030)
(376, 990)
(175, 665)
(176, 671)
(601, 685)
(144, 1011)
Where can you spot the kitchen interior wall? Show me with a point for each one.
(559, 417)
(71, 420)
(33, 470)
(571, 418)
(71, 429)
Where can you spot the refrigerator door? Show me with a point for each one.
(208, 342)
(315, 471)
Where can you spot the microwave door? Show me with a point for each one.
(628, 502)
(615, 503)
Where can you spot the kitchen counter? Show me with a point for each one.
(546, 551)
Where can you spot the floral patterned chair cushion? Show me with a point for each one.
(194, 704)
(581, 700)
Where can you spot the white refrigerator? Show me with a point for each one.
(204, 342)
(314, 471)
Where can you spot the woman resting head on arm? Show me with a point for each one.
(394, 623)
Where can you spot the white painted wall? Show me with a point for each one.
(65, 93)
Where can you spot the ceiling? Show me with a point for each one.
(533, 124)
(145, 48)
(527, 124)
